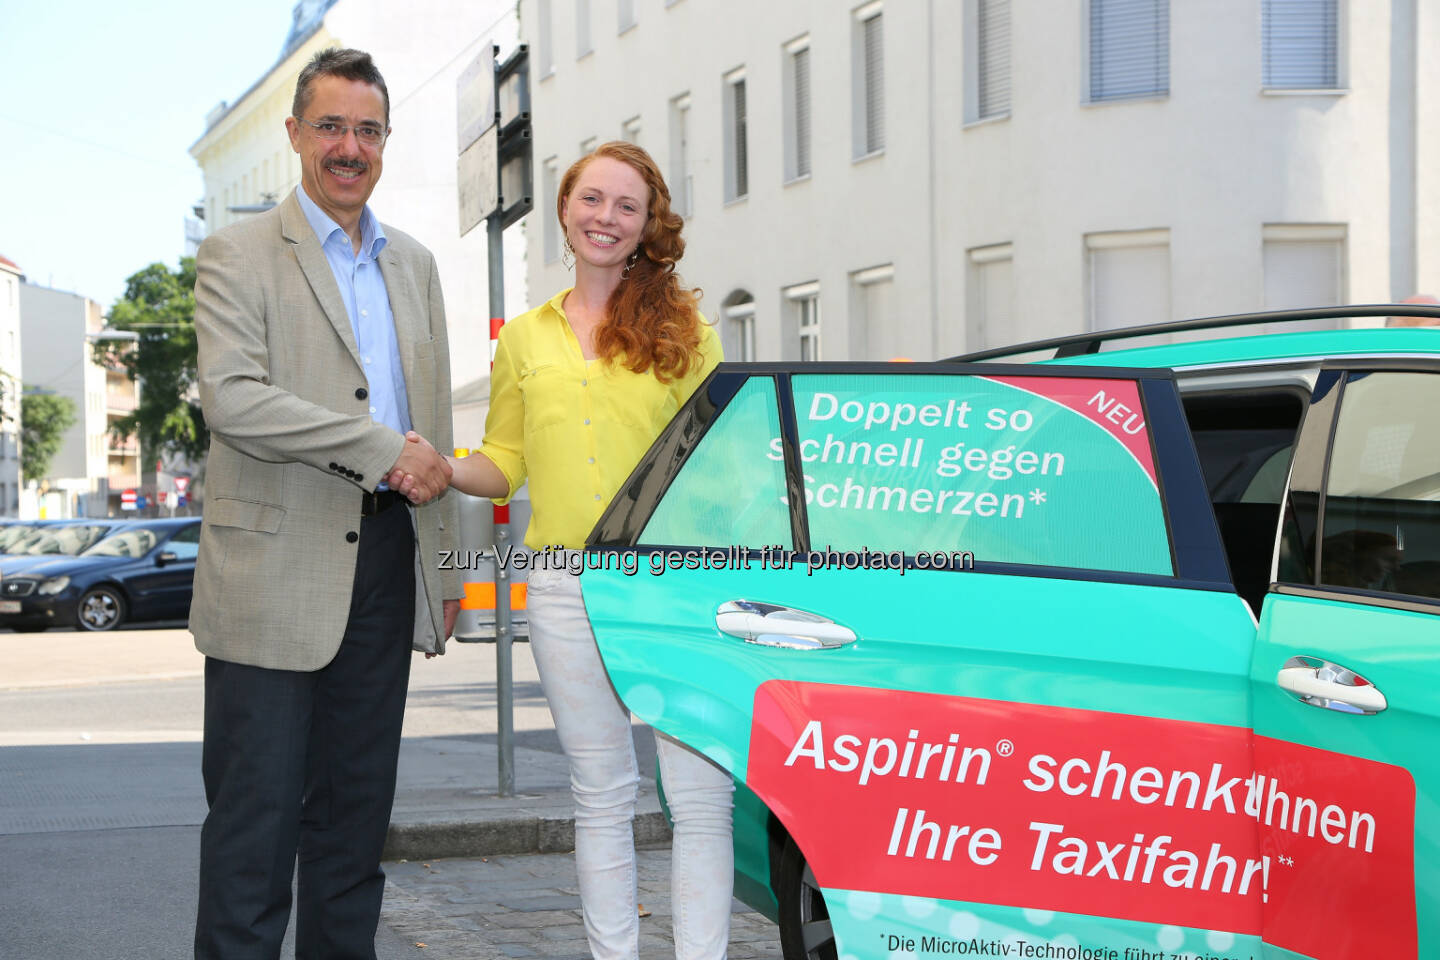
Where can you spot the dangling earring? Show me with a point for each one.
(634, 255)
(568, 257)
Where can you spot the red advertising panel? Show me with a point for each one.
(1137, 818)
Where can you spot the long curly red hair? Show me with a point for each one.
(652, 321)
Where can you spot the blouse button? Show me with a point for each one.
(592, 459)
(587, 421)
(597, 496)
(584, 383)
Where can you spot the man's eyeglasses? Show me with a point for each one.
(366, 133)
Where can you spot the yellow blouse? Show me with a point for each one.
(576, 428)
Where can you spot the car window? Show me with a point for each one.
(14, 534)
(186, 543)
(1381, 527)
(69, 541)
(730, 490)
(130, 543)
(1055, 471)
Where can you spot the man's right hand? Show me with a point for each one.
(420, 473)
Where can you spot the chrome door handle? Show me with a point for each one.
(1321, 683)
(773, 625)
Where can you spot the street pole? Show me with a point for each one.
(504, 635)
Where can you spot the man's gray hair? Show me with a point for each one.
(347, 64)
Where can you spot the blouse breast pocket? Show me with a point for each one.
(550, 394)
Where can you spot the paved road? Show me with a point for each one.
(101, 801)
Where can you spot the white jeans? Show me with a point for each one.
(594, 729)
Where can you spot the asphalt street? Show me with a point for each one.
(101, 799)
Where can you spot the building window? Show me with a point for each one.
(1304, 265)
(987, 64)
(549, 187)
(1129, 276)
(990, 296)
(583, 46)
(1129, 49)
(682, 180)
(804, 307)
(737, 331)
(737, 160)
(796, 94)
(868, 82)
(630, 131)
(875, 331)
(588, 145)
(1300, 41)
(627, 14)
(545, 32)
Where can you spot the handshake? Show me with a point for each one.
(420, 474)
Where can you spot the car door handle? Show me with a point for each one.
(773, 625)
(1321, 683)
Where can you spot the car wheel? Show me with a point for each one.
(805, 932)
(101, 608)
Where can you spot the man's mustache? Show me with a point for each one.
(353, 163)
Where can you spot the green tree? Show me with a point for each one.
(44, 418)
(159, 306)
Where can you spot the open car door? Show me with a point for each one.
(968, 633)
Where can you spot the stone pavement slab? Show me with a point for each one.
(529, 907)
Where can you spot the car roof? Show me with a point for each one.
(1222, 349)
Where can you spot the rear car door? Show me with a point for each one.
(968, 634)
(1345, 674)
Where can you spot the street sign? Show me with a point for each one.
(475, 106)
(478, 179)
(140, 503)
(182, 484)
(128, 500)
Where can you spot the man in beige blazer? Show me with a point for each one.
(322, 340)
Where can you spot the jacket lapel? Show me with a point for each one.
(296, 229)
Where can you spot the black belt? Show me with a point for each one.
(378, 502)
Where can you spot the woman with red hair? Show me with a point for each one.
(581, 386)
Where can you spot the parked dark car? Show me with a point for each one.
(143, 570)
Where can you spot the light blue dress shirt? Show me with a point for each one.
(362, 288)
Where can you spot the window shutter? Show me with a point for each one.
(994, 58)
(802, 112)
(742, 174)
(874, 84)
(1129, 48)
(1300, 43)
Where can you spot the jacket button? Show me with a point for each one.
(361, 393)
(359, 477)
(334, 466)
(351, 537)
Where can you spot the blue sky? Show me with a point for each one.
(99, 104)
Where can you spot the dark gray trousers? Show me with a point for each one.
(303, 764)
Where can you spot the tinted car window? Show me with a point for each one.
(729, 492)
(69, 540)
(1382, 504)
(130, 543)
(1055, 471)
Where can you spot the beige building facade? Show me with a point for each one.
(92, 466)
(11, 381)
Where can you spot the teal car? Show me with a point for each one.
(1129, 654)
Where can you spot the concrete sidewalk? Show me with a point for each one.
(446, 803)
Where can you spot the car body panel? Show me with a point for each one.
(1054, 657)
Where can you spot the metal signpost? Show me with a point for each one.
(494, 169)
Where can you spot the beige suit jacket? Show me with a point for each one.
(293, 446)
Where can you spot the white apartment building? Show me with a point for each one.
(923, 178)
(421, 49)
(91, 467)
(11, 382)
